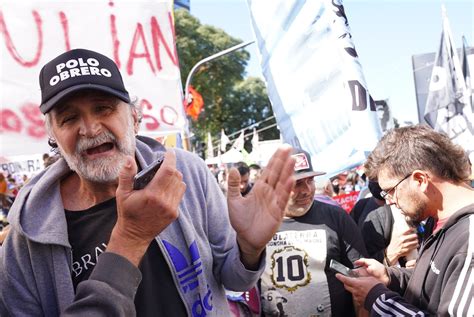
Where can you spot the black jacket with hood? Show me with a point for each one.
(441, 283)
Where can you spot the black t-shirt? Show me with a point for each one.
(89, 231)
(297, 279)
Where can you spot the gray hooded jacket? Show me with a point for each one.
(35, 264)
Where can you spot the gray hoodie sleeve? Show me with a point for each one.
(109, 291)
(27, 287)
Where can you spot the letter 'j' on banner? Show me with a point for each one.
(315, 80)
(137, 35)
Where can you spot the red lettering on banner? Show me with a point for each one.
(31, 122)
(33, 115)
(136, 37)
(168, 115)
(65, 26)
(11, 47)
(115, 40)
(10, 121)
(347, 201)
(152, 123)
(158, 37)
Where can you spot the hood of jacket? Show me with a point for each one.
(454, 218)
(38, 210)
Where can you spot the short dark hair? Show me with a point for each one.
(243, 168)
(403, 150)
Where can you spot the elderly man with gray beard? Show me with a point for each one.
(83, 241)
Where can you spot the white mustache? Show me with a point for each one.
(84, 144)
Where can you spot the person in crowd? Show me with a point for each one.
(4, 192)
(297, 280)
(254, 173)
(424, 174)
(45, 159)
(245, 185)
(336, 185)
(222, 179)
(13, 187)
(84, 242)
(50, 159)
(366, 205)
(3, 233)
(352, 182)
(324, 191)
(24, 179)
(388, 241)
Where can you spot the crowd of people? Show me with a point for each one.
(266, 241)
(10, 185)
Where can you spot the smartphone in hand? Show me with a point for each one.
(146, 175)
(341, 268)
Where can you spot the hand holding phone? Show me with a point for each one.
(341, 268)
(146, 175)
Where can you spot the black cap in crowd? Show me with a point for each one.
(303, 165)
(79, 69)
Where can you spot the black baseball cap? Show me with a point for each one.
(76, 70)
(303, 165)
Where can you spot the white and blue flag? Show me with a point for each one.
(315, 80)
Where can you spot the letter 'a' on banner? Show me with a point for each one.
(315, 81)
(137, 35)
(448, 106)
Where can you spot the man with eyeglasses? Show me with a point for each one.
(297, 280)
(425, 175)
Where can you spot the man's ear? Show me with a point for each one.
(136, 123)
(422, 179)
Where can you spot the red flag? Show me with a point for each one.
(194, 108)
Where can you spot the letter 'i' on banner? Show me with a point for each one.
(315, 81)
(448, 107)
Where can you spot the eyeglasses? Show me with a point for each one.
(385, 194)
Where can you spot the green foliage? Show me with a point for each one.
(230, 101)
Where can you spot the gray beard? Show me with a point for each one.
(102, 170)
(297, 212)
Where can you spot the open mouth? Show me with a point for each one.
(100, 148)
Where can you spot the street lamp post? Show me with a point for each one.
(205, 60)
(187, 96)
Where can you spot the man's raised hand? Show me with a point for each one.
(257, 216)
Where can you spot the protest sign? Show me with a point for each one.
(137, 35)
(347, 200)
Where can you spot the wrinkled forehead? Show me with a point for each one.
(83, 97)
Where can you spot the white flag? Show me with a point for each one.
(210, 148)
(239, 142)
(255, 140)
(315, 81)
(224, 141)
(35, 31)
